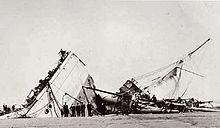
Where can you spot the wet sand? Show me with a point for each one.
(182, 120)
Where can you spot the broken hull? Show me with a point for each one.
(109, 99)
(204, 109)
(13, 115)
(156, 111)
(69, 78)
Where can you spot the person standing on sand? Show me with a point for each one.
(83, 110)
(65, 110)
(78, 110)
(89, 108)
(73, 110)
(61, 112)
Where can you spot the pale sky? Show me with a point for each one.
(117, 40)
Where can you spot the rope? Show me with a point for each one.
(79, 60)
(35, 102)
(85, 94)
(184, 92)
(61, 69)
(55, 98)
(39, 109)
(159, 79)
(178, 81)
(58, 88)
(70, 72)
(66, 77)
(73, 97)
(50, 99)
(54, 108)
(154, 72)
(191, 72)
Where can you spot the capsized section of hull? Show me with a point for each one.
(17, 114)
(204, 109)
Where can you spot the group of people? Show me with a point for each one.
(76, 110)
(43, 82)
(7, 109)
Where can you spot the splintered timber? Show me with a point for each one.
(69, 90)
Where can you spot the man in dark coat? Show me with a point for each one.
(65, 110)
(73, 111)
(78, 110)
(83, 109)
(89, 108)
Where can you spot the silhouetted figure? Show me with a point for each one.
(35, 92)
(83, 109)
(50, 74)
(78, 110)
(73, 111)
(65, 110)
(154, 98)
(8, 110)
(31, 98)
(5, 109)
(13, 108)
(42, 84)
(125, 100)
(134, 103)
(61, 111)
(63, 54)
(89, 108)
(179, 100)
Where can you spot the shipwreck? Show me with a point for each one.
(70, 84)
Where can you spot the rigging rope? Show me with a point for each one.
(39, 109)
(35, 102)
(58, 88)
(61, 69)
(66, 77)
(63, 92)
(177, 82)
(73, 97)
(184, 92)
(160, 79)
(154, 72)
(190, 72)
(55, 99)
(55, 108)
(179, 62)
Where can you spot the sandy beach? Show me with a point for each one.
(182, 120)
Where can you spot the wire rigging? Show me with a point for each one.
(67, 77)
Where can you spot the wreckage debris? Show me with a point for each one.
(129, 99)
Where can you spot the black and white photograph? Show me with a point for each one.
(109, 64)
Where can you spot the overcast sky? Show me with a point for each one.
(117, 40)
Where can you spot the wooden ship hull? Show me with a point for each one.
(70, 84)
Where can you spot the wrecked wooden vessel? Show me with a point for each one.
(69, 85)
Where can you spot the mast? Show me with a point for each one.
(191, 53)
(99, 90)
(176, 65)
